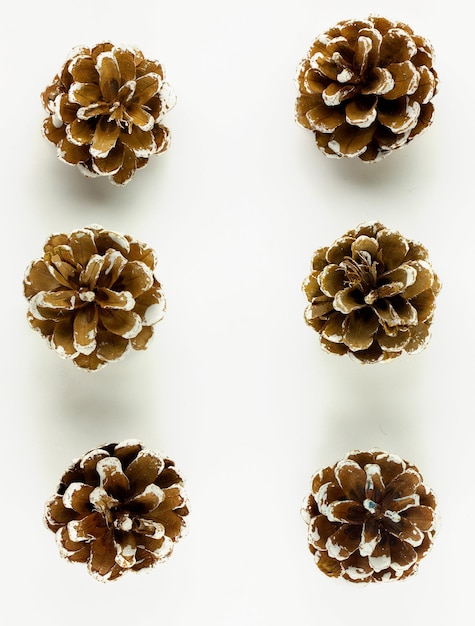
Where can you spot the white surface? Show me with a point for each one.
(235, 387)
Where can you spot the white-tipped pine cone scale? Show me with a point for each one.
(365, 88)
(372, 294)
(93, 295)
(371, 518)
(105, 111)
(119, 508)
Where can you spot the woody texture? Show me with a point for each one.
(105, 111)
(370, 518)
(365, 88)
(372, 294)
(93, 295)
(119, 508)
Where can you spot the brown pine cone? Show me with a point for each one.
(366, 88)
(370, 518)
(93, 295)
(119, 508)
(105, 111)
(372, 294)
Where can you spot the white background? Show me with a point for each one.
(235, 386)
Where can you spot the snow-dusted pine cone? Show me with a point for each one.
(366, 88)
(93, 295)
(370, 517)
(119, 508)
(105, 111)
(372, 294)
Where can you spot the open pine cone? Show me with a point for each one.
(105, 111)
(93, 295)
(372, 294)
(366, 88)
(370, 518)
(119, 508)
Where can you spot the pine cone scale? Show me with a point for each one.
(81, 246)
(146, 501)
(109, 76)
(92, 525)
(84, 330)
(140, 118)
(359, 330)
(370, 536)
(346, 512)
(426, 89)
(84, 94)
(343, 543)
(62, 338)
(351, 141)
(70, 153)
(110, 347)
(80, 132)
(140, 142)
(126, 552)
(424, 277)
(348, 299)
(103, 553)
(89, 112)
(112, 479)
(125, 60)
(397, 44)
(422, 517)
(58, 514)
(104, 138)
(170, 519)
(361, 112)
(380, 82)
(174, 499)
(143, 470)
(76, 497)
(110, 165)
(406, 79)
(335, 94)
(351, 478)
(83, 70)
(403, 555)
(146, 88)
(52, 132)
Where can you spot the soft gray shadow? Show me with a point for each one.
(395, 170)
(401, 171)
(74, 192)
(372, 406)
(78, 410)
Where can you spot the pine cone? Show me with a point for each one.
(366, 88)
(105, 110)
(370, 518)
(119, 508)
(93, 295)
(372, 294)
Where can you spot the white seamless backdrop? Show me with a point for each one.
(235, 387)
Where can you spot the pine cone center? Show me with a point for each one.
(379, 513)
(348, 68)
(361, 272)
(120, 99)
(86, 295)
(123, 522)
